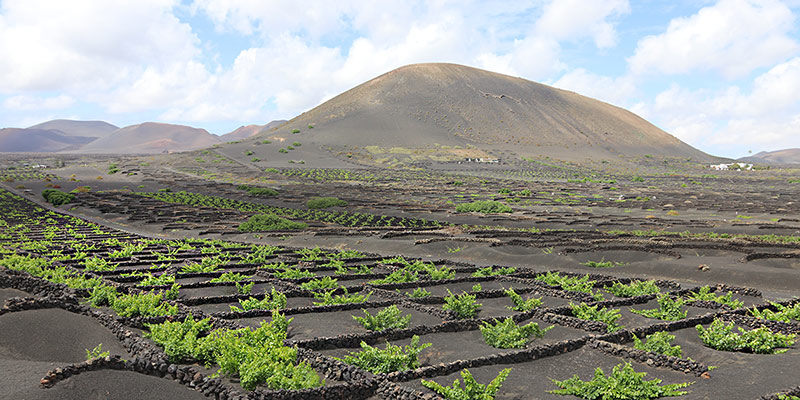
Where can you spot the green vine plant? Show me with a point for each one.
(471, 390)
(321, 283)
(624, 383)
(389, 318)
(328, 298)
(392, 358)
(575, 284)
(668, 309)
(782, 313)
(594, 313)
(659, 342)
(244, 289)
(521, 304)
(633, 289)
(490, 271)
(463, 305)
(97, 352)
(720, 336)
(705, 294)
(274, 300)
(508, 335)
(418, 293)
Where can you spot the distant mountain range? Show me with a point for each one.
(785, 156)
(99, 137)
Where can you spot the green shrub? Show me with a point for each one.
(668, 309)
(477, 287)
(594, 313)
(472, 390)
(633, 289)
(142, 305)
(783, 313)
(508, 335)
(317, 203)
(96, 352)
(244, 289)
(602, 264)
(720, 336)
(295, 130)
(294, 273)
(489, 271)
(274, 300)
(624, 383)
(463, 305)
(57, 197)
(418, 293)
(658, 342)
(260, 357)
(392, 358)
(705, 294)
(389, 318)
(98, 264)
(484, 206)
(321, 283)
(102, 295)
(270, 222)
(183, 341)
(399, 276)
(436, 274)
(328, 298)
(574, 284)
(258, 191)
(158, 280)
(521, 304)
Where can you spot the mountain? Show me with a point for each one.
(151, 138)
(39, 140)
(785, 156)
(244, 132)
(69, 127)
(456, 108)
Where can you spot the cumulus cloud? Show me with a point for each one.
(573, 19)
(617, 91)
(726, 120)
(26, 102)
(733, 37)
(87, 45)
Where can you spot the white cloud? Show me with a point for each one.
(573, 19)
(728, 120)
(26, 102)
(617, 91)
(87, 45)
(732, 36)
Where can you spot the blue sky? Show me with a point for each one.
(723, 76)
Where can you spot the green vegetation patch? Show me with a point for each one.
(389, 318)
(269, 222)
(57, 197)
(595, 313)
(392, 358)
(720, 336)
(508, 335)
(472, 390)
(484, 206)
(658, 342)
(624, 383)
(318, 203)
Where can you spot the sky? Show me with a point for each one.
(723, 76)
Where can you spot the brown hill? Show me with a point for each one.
(39, 140)
(785, 156)
(457, 107)
(150, 138)
(70, 127)
(244, 132)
